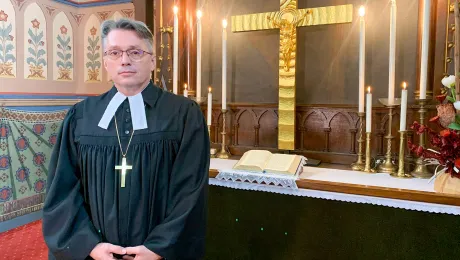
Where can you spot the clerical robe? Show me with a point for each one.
(163, 205)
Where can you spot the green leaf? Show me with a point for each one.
(9, 48)
(451, 99)
(60, 64)
(41, 61)
(40, 36)
(61, 41)
(68, 56)
(96, 56)
(32, 51)
(69, 65)
(89, 48)
(10, 57)
(31, 60)
(32, 35)
(89, 64)
(8, 30)
(97, 64)
(41, 53)
(67, 41)
(90, 41)
(89, 56)
(454, 126)
(60, 55)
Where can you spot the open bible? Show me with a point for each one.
(265, 161)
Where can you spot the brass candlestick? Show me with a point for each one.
(367, 167)
(388, 166)
(212, 151)
(223, 154)
(402, 145)
(359, 164)
(421, 171)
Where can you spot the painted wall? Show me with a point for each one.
(48, 48)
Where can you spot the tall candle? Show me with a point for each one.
(199, 14)
(402, 125)
(391, 77)
(362, 45)
(425, 43)
(176, 51)
(185, 90)
(209, 106)
(369, 111)
(224, 64)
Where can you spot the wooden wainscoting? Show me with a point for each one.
(324, 132)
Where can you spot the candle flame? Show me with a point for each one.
(185, 86)
(199, 14)
(209, 89)
(369, 89)
(175, 9)
(362, 11)
(404, 85)
(224, 23)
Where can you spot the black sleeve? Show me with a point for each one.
(67, 228)
(182, 234)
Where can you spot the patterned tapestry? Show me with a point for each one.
(26, 143)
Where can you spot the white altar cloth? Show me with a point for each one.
(348, 177)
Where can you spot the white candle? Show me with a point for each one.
(362, 45)
(402, 125)
(224, 64)
(391, 77)
(209, 106)
(185, 90)
(176, 52)
(198, 55)
(369, 111)
(425, 43)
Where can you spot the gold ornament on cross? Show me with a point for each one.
(287, 20)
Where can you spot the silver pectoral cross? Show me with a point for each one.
(123, 167)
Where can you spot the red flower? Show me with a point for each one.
(63, 30)
(3, 16)
(445, 133)
(93, 31)
(441, 98)
(35, 23)
(434, 119)
(457, 163)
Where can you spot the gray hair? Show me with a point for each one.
(127, 24)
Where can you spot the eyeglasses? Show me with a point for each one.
(134, 54)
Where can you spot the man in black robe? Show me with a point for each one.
(128, 177)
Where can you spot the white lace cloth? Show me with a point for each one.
(263, 179)
(346, 177)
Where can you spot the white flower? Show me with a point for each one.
(457, 105)
(448, 81)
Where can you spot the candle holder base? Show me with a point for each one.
(223, 155)
(367, 165)
(358, 166)
(421, 170)
(387, 167)
(401, 165)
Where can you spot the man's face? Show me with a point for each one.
(126, 71)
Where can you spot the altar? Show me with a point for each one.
(334, 214)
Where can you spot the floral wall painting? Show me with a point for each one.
(35, 43)
(93, 51)
(115, 16)
(62, 48)
(7, 40)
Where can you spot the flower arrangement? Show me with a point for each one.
(446, 143)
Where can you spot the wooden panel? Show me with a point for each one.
(324, 132)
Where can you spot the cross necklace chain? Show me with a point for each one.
(124, 166)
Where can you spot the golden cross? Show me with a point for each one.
(287, 20)
(124, 166)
